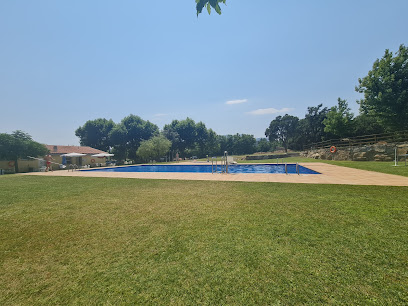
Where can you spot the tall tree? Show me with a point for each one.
(174, 138)
(312, 124)
(185, 134)
(201, 137)
(145, 150)
(283, 129)
(129, 133)
(339, 120)
(366, 125)
(226, 144)
(19, 145)
(243, 144)
(212, 146)
(161, 146)
(95, 133)
(155, 147)
(385, 89)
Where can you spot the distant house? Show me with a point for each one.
(29, 164)
(88, 159)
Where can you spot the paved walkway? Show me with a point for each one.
(330, 174)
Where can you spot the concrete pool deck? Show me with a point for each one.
(330, 174)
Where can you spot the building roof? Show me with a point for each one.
(72, 149)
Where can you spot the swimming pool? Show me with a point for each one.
(241, 168)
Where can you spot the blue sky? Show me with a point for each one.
(65, 62)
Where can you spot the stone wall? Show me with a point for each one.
(273, 156)
(377, 152)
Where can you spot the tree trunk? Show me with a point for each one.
(285, 145)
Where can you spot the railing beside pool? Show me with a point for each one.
(394, 137)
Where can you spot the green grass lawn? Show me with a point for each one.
(127, 241)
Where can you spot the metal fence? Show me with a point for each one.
(395, 137)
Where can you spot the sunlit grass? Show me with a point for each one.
(114, 241)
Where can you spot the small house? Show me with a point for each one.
(31, 164)
(87, 159)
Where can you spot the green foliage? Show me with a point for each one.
(19, 145)
(264, 145)
(385, 90)
(154, 148)
(367, 125)
(190, 138)
(200, 4)
(237, 144)
(145, 150)
(339, 120)
(161, 145)
(243, 144)
(186, 135)
(95, 133)
(211, 145)
(312, 126)
(130, 132)
(201, 137)
(283, 129)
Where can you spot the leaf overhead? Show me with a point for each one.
(200, 4)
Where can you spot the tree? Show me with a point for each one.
(366, 125)
(174, 138)
(339, 120)
(283, 129)
(243, 144)
(19, 145)
(226, 144)
(385, 89)
(118, 137)
(187, 135)
(208, 4)
(155, 147)
(161, 146)
(95, 133)
(211, 146)
(201, 137)
(145, 150)
(264, 145)
(312, 124)
(129, 133)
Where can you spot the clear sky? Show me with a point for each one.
(65, 62)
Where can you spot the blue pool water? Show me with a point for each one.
(258, 168)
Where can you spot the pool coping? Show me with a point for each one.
(329, 174)
(218, 169)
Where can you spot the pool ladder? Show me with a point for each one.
(224, 164)
(297, 169)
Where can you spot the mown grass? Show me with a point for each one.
(126, 241)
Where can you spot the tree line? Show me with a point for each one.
(383, 109)
(321, 123)
(136, 139)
